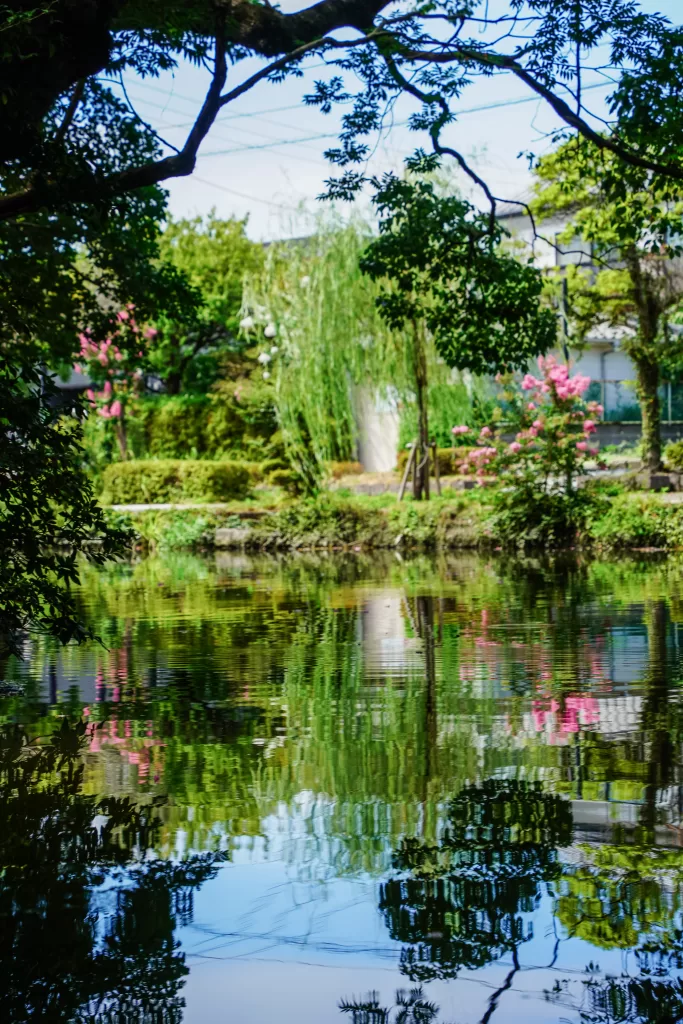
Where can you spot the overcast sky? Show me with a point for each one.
(264, 156)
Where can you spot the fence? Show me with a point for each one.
(620, 402)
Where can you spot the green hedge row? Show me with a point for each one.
(152, 482)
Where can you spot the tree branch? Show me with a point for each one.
(435, 130)
(561, 108)
(180, 164)
(76, 97)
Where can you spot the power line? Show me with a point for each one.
(397, 124)
(243, 195)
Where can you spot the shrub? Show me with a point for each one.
(449, 459)
(673, 455)
(638, 521)
(340, 469)
(169, 480)
(536, 475)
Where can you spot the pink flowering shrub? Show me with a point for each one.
(535, 471)
(114, 365)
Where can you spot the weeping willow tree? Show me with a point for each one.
(322, 334)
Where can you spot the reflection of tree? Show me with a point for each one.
(624, 893)
(411, 1008)
(651, 997)
(459, 903)
(86, 919)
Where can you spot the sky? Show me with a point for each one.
(264, 157)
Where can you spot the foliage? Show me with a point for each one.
(459, 903)
(637, 521)
(322, 328)
(170, 480)
(214, 255)
(411, 1008)
(632, 223)
(673, 454)
(452, 397)
(115, 366)
(65, 957)
(237, 421)
(440, 262)
(66, 271)
(47, 512)
(536, 474)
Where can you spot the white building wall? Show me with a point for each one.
(378, 423)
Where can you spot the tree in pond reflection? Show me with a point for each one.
(86, 917)
(459, 903)
(654, 995)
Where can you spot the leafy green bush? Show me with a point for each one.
(163, 480)
(673, 455)
(637, 521)
(449, 459)
(525, 517)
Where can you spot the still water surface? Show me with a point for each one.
(328, 789)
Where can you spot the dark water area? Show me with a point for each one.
(324, 789)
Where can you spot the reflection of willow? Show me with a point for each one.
(86, 919)
(627, 892)
(458, 903)
(369, 748)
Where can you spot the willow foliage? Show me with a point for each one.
(330, 341)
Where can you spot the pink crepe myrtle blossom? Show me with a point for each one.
(537, 424)
(531, 406)
(485, 432)
(582, 446)
(514, 447)
(589, 426)
(462, 429)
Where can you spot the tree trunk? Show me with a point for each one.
(645, 356)
(122, 436)
(421, 478)
(173, 382)
(648, 396)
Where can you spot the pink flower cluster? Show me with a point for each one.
(556, 380)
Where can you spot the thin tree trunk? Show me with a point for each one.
(122, 436)
(644, 355)
(421, 485)
(648, 395)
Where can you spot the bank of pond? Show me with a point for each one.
(612, 520)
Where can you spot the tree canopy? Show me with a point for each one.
(52, 51)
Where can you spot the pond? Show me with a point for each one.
(338, 788)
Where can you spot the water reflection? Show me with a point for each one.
(468, 899)
(464, 774)
(87, 922)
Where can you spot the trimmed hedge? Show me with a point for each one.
(156, 481)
